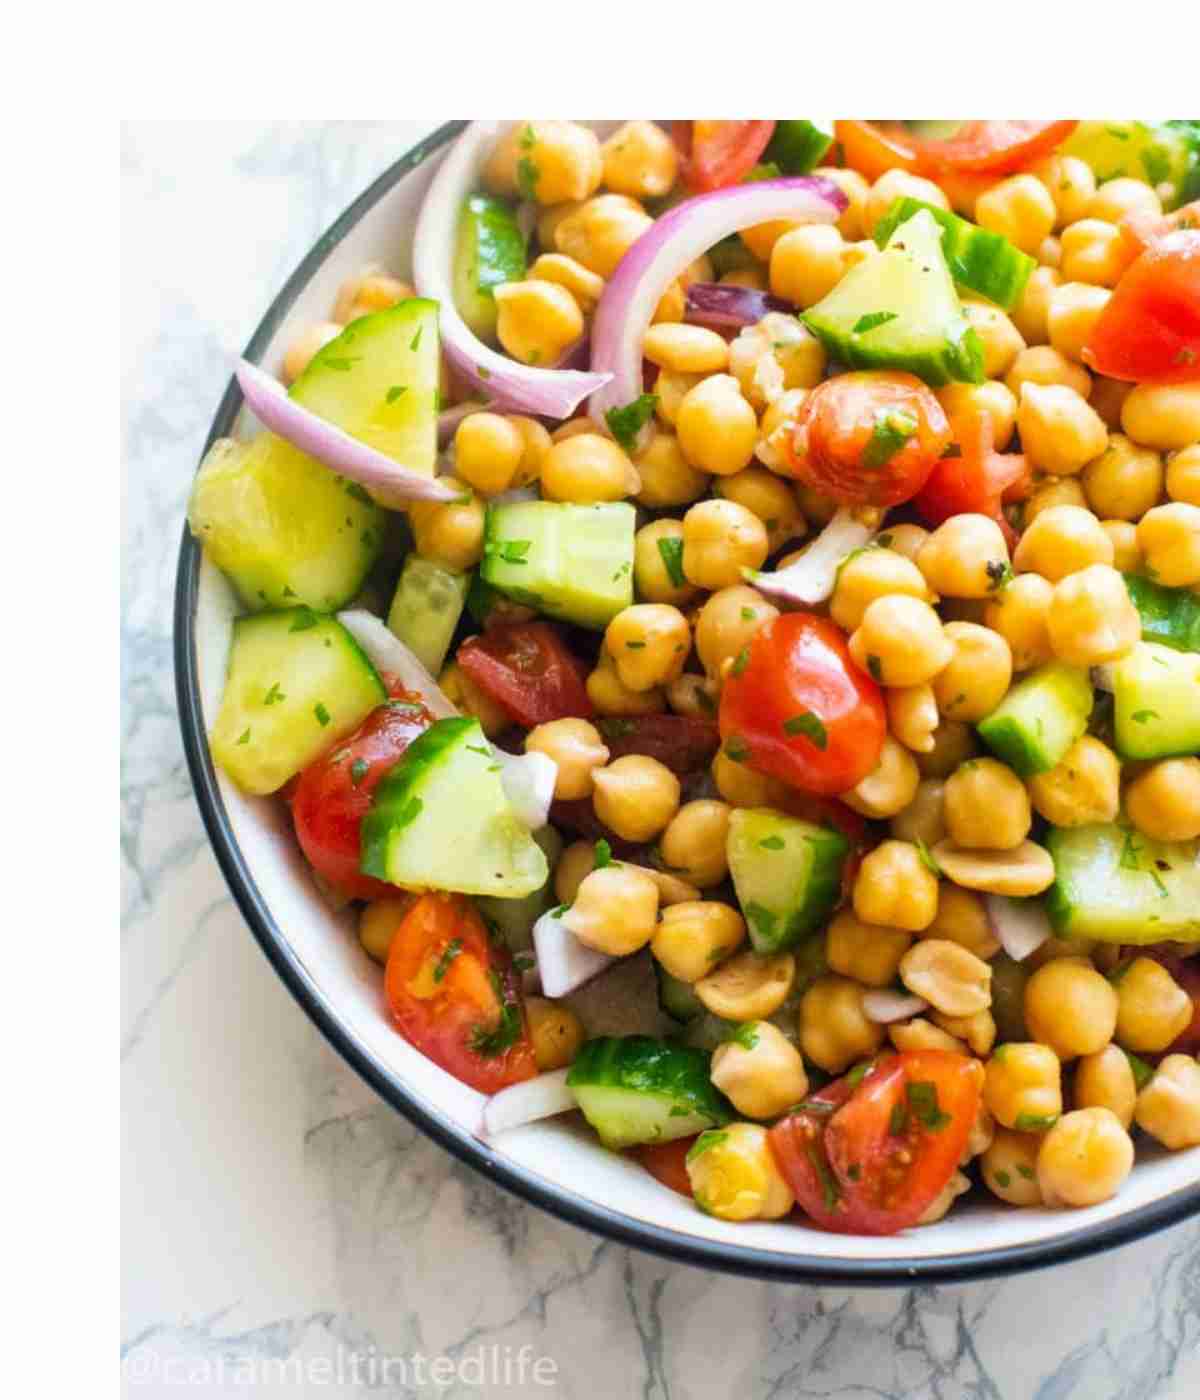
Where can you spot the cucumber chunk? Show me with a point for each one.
(568, 561)
(1156, 702)
(440, 820)
(1040, 718)
(636, 1089)
(1159, 155)
(490, 251)
(283, 527)
(899, 310)
(798, 146)
(297, 683)
(378, 381)
(1115, 884)
(1170, 616)
(787, 874)
(514, 919)
(425, 610)
(978, 259)
(676, 997)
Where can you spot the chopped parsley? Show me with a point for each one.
(829, 1186)
(748, 614)
(321, 713)
(416, 340)
(274, 695)
(395, 391)
(870, 321)
(810, 726)
(736, 749)
(340, 362)
(1026, 1172)
(745, 1035)
(740, 662)
(244, 737)
(1142, 1072)
(449, 953)
(670, 547)
(512, 551)
(772, 843)
(360, 494)
(927, 859)
(893, 428)
(923, 1100)
(627, 422)
(859, 1073)
(1035, 1122)
(875, 666)
(528, 173)
(999, 572)
(490, 1041)
(358, 771)
(899, 1120)
(704, 1142)
(1002, 1178)
(303, 618)
(603, 855)
(1143, 716)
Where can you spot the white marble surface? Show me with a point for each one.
(285, 1232)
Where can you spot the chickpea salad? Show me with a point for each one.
(761, 558)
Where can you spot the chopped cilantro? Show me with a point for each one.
(810, 726)
(449, 953)
(740, 662)
(704, 1142)
(670, 547)
(927, 859)
(899, 1120)
(1142, 1072)
(512, 551)
(416, 340)
(360, 494)
(748, 614)
(490, 1041)
(1002, 1178)
(772, 843)
(244, 737)
(1026, 1172)
(893, 428)
(745, 1035)
(875, 666)
(923, 1100)
(339, 362)
(321, 713)
(1035, 1122)
(616, 728)
(603, 855)
(859, 1073)
(627, 422)
(871, 320)
(1142, 716)
(274, 695)
(358, 771)
(395, 391)
(999, 572)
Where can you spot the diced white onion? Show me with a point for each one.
(527, 1102)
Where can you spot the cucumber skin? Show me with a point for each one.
(676, 998)
(797, 147)
(489, 251)
(1170, 616)
(1007, 733)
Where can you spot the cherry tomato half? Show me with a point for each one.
(715, 154)
(874, 148)
(452, 992)
(795, 706)
(868, 438)
(868, 1154)
(975, 480)
(526, 668)
(994, 147)
(667, 1162)
(333, 794)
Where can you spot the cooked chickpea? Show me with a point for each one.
(488, 450)
(584, 286)
(1026, 869)
(768, 497)
(868, 953)
(1053, 491)
(962, 918)
(834, 1029)
(667, 478)
(692, 937)
(977, 676)
(963, 403)
(378, 922)
(1074, 310)
(1104, 1079)
(556, 1032)
(953, 743)
(947, 976)
(978, 1030)
(965, 557)
(1060, 431)
(939, 1207)
(586, 468)
(615, 910)
(649, 643)
(1070, 183)
(576, 861)
(1031, 311)
(906, 540)
(894, 185)
(1060, 541)
(536, 321)
(1127, 557)
(741, 786)
(1124, 481)
(367, 291)
(537, 443)
(773, 357)
(1094, 251)
(734, 1175)
(450, 532)
(895, 887)
(694, 842)
(1163, 801)
(1045, 366)
(463, 692)
(1022, 1086)
(807, 263)
(550, 161)
(986, 806)
(759, 1071)
(1117, 199)
(640, 159)
(1183, 475)
(1020, 209)
(754, 277)
(1009, 1167)
(1001, 340)
(657, 563)
(900, 641)
(694, 696)
(600, 232)
(1168, 1108)
(670, 389)
(920, 1034)
(748, 986)
(856, 190)
(576, 748)
(1018, 614)
(921, 820)
(685, 349)
(913, 715)
(301, 351)
(611, 697)
(1169, 539)
(1082, 788)
(720, 538)
(717, 428)
(1070, 1007)
(1084, 1158)
(1091, 618)
(889, 787)
(1152, 1008)
(870, 574)
(635, 796)
(1163, 416)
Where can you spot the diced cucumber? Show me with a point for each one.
(978, 259)
(1160, 155)
(1115, 884)
(568, 561)
(798, 146)
(515, 918)
(490, 251)
(676, 997)
(425, 610)
(440, 820)
(787, 874)
(1040, 718)
(1156, 702)
(297, 683)
(635, 1089)
(1170, 616)
(899, 310)
(378, 381)
(283, 527)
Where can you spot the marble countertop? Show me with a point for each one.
(285, 1231)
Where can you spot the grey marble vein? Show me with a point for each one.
(281, 1223)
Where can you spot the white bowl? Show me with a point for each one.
(557, 1164)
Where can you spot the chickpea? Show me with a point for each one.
(577, 750)
(1104, 1079)
(1009, 1167)
(834, 1029)
(986, 806)
(488, 450)
(1018, 614)
(1074, 309)
(963, 403)
(611, 697)
(977, 676)
(894, 185)
(635, 796)
(776, 429)
(964, 557)
(1169, 539)
(889, 787)
(1044, 366)
(692, 937)
(1062, 541)
(978, 1030)
(556, 1032)
(1095, 251)
(670, 389)
(574, 427)
(1082, 788)
(584, 286)
(450, 532)
(748, 986)
(870, 574)
(1022, 1086)
(666, 476)
(1168, 1108)
(1152, 1008)
(640, 159)
(906, 540)
(769, 498)
(649, 643)
(615, 910)
(734, 1175)
(600, 232)
(1084, 1158)
(1163, 416)
(1053, 491)
(370, 290)
(754, 277)
(1125, 481)
(657, 563)
(1117, 199)
(577, 861)
(1020, 209)
(1183, 476)
(1163, 801)
(1031, 312)
(962, 918)
(720, 538)
(759, 1071)
(950, 978)
(921, 820)
(1127, 557)
(900, 641)
(301, 351)
(548, 161)
(953, 743)
(807, 263)
(537, 444)
(920, 1034)
(536, 321)
(694, 696)
(1108, 398)
(1026, 869)
(378, 922)
(743, 787)
(895, 887)
(694, 842)
(1060, 431)
(939, 1207)
(867, 953)
(716, 427)
(1070, 183)
(463, 692)
(686, 349)
(1001, 340)
(1070, 1007)
(587, 468)
(856, 190)
(913, 715)
(1091, 618)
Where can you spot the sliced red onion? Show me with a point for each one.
(388, 480)
(1020, 925)
(527, 1102)
(674, 241)
(811, 578)
(1104, 676)
(563, 961)
(388, 654)
(551, 393)
(528, 781)
(723, 306)
(884, 1006)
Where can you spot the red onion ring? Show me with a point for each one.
(725, 307)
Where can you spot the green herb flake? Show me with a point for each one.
(1002, 1179)
(358, 771)
(1142, 1072)
(1035, 1122)
(899, 1120)
(522, 962)
(762, 920)
(415, 342)
(927, 859)
(745, 1035)
(859, 1073)
(449, 953)
(893, 428)
(810, 726)
(999, 572)
(670, 548)
(854, 1171)
(635, 646)
(772, 843)
(1143, 716)
(712, 1138)
(302, 619)
(274, 695)
(1026, 1172)
(512, 551)
(321, 713)
(395, 391)
(736, 749)
(830, 1190)
(871, 321)
(923, 1100)
(603, 855)
(748, 614)
(493, 1040)
(627, 422)
(359, 493)
(740, 662)
(340, 362)
(244, 737)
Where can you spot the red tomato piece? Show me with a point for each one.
(795, 706)
(333, 794)
(452, 992)
(868, 438)
(667, 1162)
(715, 154)
(975, 481)
(994, 147)
(683, 743)
(874, 148)
(1142, 231)
(868, 1155)
(1150, 327)
(526, 668)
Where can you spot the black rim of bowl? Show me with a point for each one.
(689, 1249)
